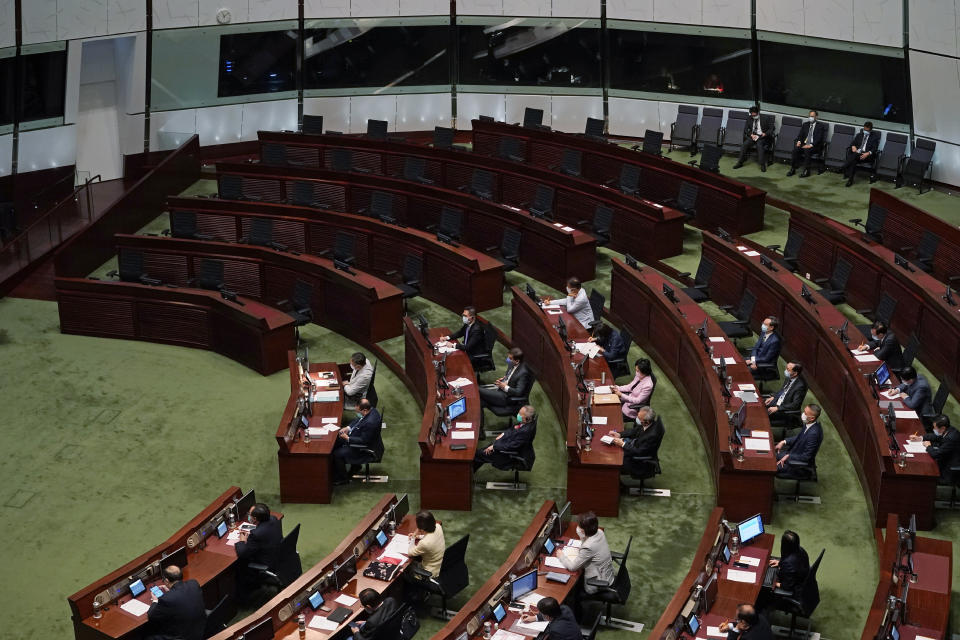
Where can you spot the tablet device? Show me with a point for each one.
(499, 612)
(548, 546)
(315, 600)
(381, 538)
(222, 529)
(156, 591)
(136, 588)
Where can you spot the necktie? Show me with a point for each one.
(810, 134)
(506, 378)
(784, 394)
(756, 126)
(863, 145)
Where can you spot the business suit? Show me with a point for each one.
(805, 137)
(853, 157)
(179, 613)
(469, 338)
(261, 547)
(643, 442)
(791, 395)
(514, 441)
(765, 125)
(519, 381)
(887, 348)
(802, 447)
(356, 386)
(595, 560)
(362, 433)
(945, 450)
(375, 627)
(564, 626)
(613, 348)
(766, 350)
(918, 394)
(760, 631)
(793, 570)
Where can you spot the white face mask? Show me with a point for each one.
(804, 418)
(786, 373)
(581, 533)
(812, 119)
(466, 319)
(569, 291)
(764, 328)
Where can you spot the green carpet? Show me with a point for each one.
(171, 443)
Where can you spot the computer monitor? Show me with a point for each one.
(243, 505)
(222, 529)
(882, 374)
(424, 327)
(499, 612)
(842, 332)
(531, 292)
(136, 587)
(177, 558)
(401, 509)
(523, 585)
(890, 419)
(693, 624)
(315, 600)
(562, 521)
(548, 546)
(456, 408)
(381, 538)
(741, 417)
(263, 630)
(345, 571)
(750, 528)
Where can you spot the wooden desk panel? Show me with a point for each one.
(838, 381)
(722, 202)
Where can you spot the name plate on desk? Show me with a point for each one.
(606, 398)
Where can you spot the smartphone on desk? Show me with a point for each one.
(247, 527)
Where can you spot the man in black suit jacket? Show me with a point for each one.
(914, 390)
(513, 388)
(260, 546)
(511, 442)
(884, 345)
(178, 613)
(471, 334)
(758, 134)
(864, 148)
(643, 439)
(803, 447)
(791, 394)
(808, 140)
(749, 625)
(379, 610)
(943, 445)
(562, 624)
(354, 439)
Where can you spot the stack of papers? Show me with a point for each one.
(603, 389)
(760, 434)
(398, 545)
(462, 435)
(446, 349)
(135, 607)
(753, 562)
(741, 576)
(605, 398)
(462, 425)
(326, 396)
(747, 387)
(319, 432)
(551, 306)
(716, 339)
(460, 382)
(329, 420)
(325, 383)
(867, 357)
(553, 563)
(560, 225)
(531, 598)
(599, 420)
(345, 600)
(752, 254)
(906, 414)
(727, 361)
(573, 544)
(608, 439)
(589, 349)
(532, 628)
(757, 444)
(503, 634)
(914, 447)
(320, 623)
(554, 312)
(714, 632)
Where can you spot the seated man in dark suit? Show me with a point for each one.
(758, 133)
(470, 334)
(562, 623)
(749, 625)
(510, 442)
(258, 547)
(363, 433)
(610, 343)
(943, 445)
(379, 610)
(864, 147)
(801, 448)
(913, 391)
(643, 440)
(808, 140)
(767, 348)
(884, 345)
(791, 394)
(178, 613)
(512, 388)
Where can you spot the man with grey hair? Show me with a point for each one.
(361, 373)
(643, 439)
(796, 455)
(511, 442)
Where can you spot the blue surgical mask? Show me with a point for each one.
(251, 520)
(764, 328)
(569, 291)
(786, 373)
(811, 119)
(509, 362)
(359, 415)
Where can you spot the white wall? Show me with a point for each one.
(6, 154)
(866, 21)
(933, 26)
(8, 21)
(720, 13)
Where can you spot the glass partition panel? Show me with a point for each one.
(43, 85)
(7, 79)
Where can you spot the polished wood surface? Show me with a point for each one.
(593, 477)
(547, 252)
(645, 229)
(212, 566)
(808, 334)
(356, 541)
(247, 331)
(722, 202)
(359, 306)
(454, 277)
(446, 476)
(921, 309)
(667, 331)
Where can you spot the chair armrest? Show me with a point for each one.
(953, 279)
(493, 248)
(864, 312)
(361, 170)
(113, 274)
(153, 282)
(741, 322)
(256, 566)
(392, 272)
(783, 593)
(726, 307)
(278, 246)
(582, 223)
(684, 274)
(821, 281)
(283, 303)
(599, 585)
(907, 249)
(413, 283)
(773, 247)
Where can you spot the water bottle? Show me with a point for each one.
(393, 528)
(734, 545)
(231, 519)
(97, 612)
(486, 630)
(302, 624)
(306, 435)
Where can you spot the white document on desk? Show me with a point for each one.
(135, 607)
(531, 598)
(573, 544)
(532, 628)
(746, 387)
(326, 396)
(752, 254)
(760, 434)
(554, 312)
(589, 349)
(907, 414)
(922, 638)
(320, 623)
(867, 357)
(462, 425)
(716, 339)
(553, 563)
(753, 562)
(398, 545)
(914, 447)
(548, 307)
(329, 420)
(317, 432)
(599, 420)
(714, 632)
(757, 444)
(345, 600)
(459, 434)
(460, 382)
(725, 361)
(503, 634)
(602, 390)
(741, 576)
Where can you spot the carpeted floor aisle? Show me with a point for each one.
(112, 445)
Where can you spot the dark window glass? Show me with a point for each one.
(43, 85)
(856, 84)
(376, 57)
(263, 62)
(7, 76)
(689, 65)
(551, 56)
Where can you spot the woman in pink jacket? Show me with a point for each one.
(638, 390)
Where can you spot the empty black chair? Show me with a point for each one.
(542, 204)
(481, 184)
(231, 187)
(891, 156)
(454, 574)
(532, 117)
(261, 234)
(594, 128)
(876, 217)
(381, 207)
(130, 269)
(312, 124)
(616, 593)
(210, 276)
(801, 602)
(936, 405)
(924, 252)
(410, 278)
(509, 249)
(374, 453)
(218, 617)
(710, 158)
(686, 200)
(183, 224)
(601, 225)
(341, 160)
(834, 288)
(597, 300)
(509, 149)
(371, 393)
(739, 328)
(642, 468)
(915, 170)
(377, 129)
(733, 131)
(629, 181)
(652, 142)
(415, 169)
(836, 154)
(683, 132)
(443, 138)
(711, 127)
(273, 154)
(700, 291)
(786, 137)
(299, 305)
(451, 224)
(570, 163)
(910, 352)
(303, 194)
(619, 366)
(883, 312)
(344, 247)
(791, 251)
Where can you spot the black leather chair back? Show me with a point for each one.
(130, 265)
(211, 274)
(312, 124)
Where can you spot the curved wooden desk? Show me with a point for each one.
(593, 477)
(547, 253)
(454, 277)
(838, 380)
(649, 231)
(358, 306)
(668, 333)
(251, 333)
(722, 202)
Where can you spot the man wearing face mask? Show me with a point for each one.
(353, 440)
(470, 334)
(791, 394)
(864, 148)
(943, 445)
(757, 134)
(914, 390)
(808, 141)
(593, 556)
(643, 440)
(361, 373)
(258, 547)
(767, 348)
(512, 388)
(801, 448)
(515, 441)
(576, 302)
(379, 610)
(884, 345)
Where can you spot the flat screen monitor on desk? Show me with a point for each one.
(750, 529)
(244, 504)
(177, 558)
(315, 600)
(882, 374)
(382, 538)
(740, 417)
(263, 630)
(401, 509)
(523, 585)
(456, 408)
(693, 625)
(561, 522)
(345, 571)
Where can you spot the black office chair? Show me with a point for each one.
(836, 154)
(891, 157)
(570, 163)
(183, 224)
(801, 472)
(765, 373)
(520, 461)
(454, 574)
(261, 234)
(709, 158)
(873, 228)
(380, 208)
(8, 222)
(597, 300)
(509, 149)
(451, 225)
(484, 362)
(594, 128)
(614, 594)
(542, 204)
(371, 393)
(303, 194)
(909, 353)
(883, 312)
(619, 366)
(401, 625)
(601, 226)
(592, 631)
(834, 288)
(739, 328)
(230, 187)
(312, 124)
(210, 275)
(786, 136)
(273, 154)
(374, 453)
(299, 305)
(410, 278)
(508, 411)
(700, 291)
(915, 170)
(532, 118)
(936, 405)
(130, 269)
(443, 139)
(683, 132)
(791, 250)
(629, 180)
(652, 142)
(341, 160)
(415, 170)
(509, 249)
(924, 252)
(481, 184)
(802, 602)
(711, 128)
(344, 248)
(686, 200)
(288, 566)
(731, 135)
(377, 129)
(642, 468)
(218, 617)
